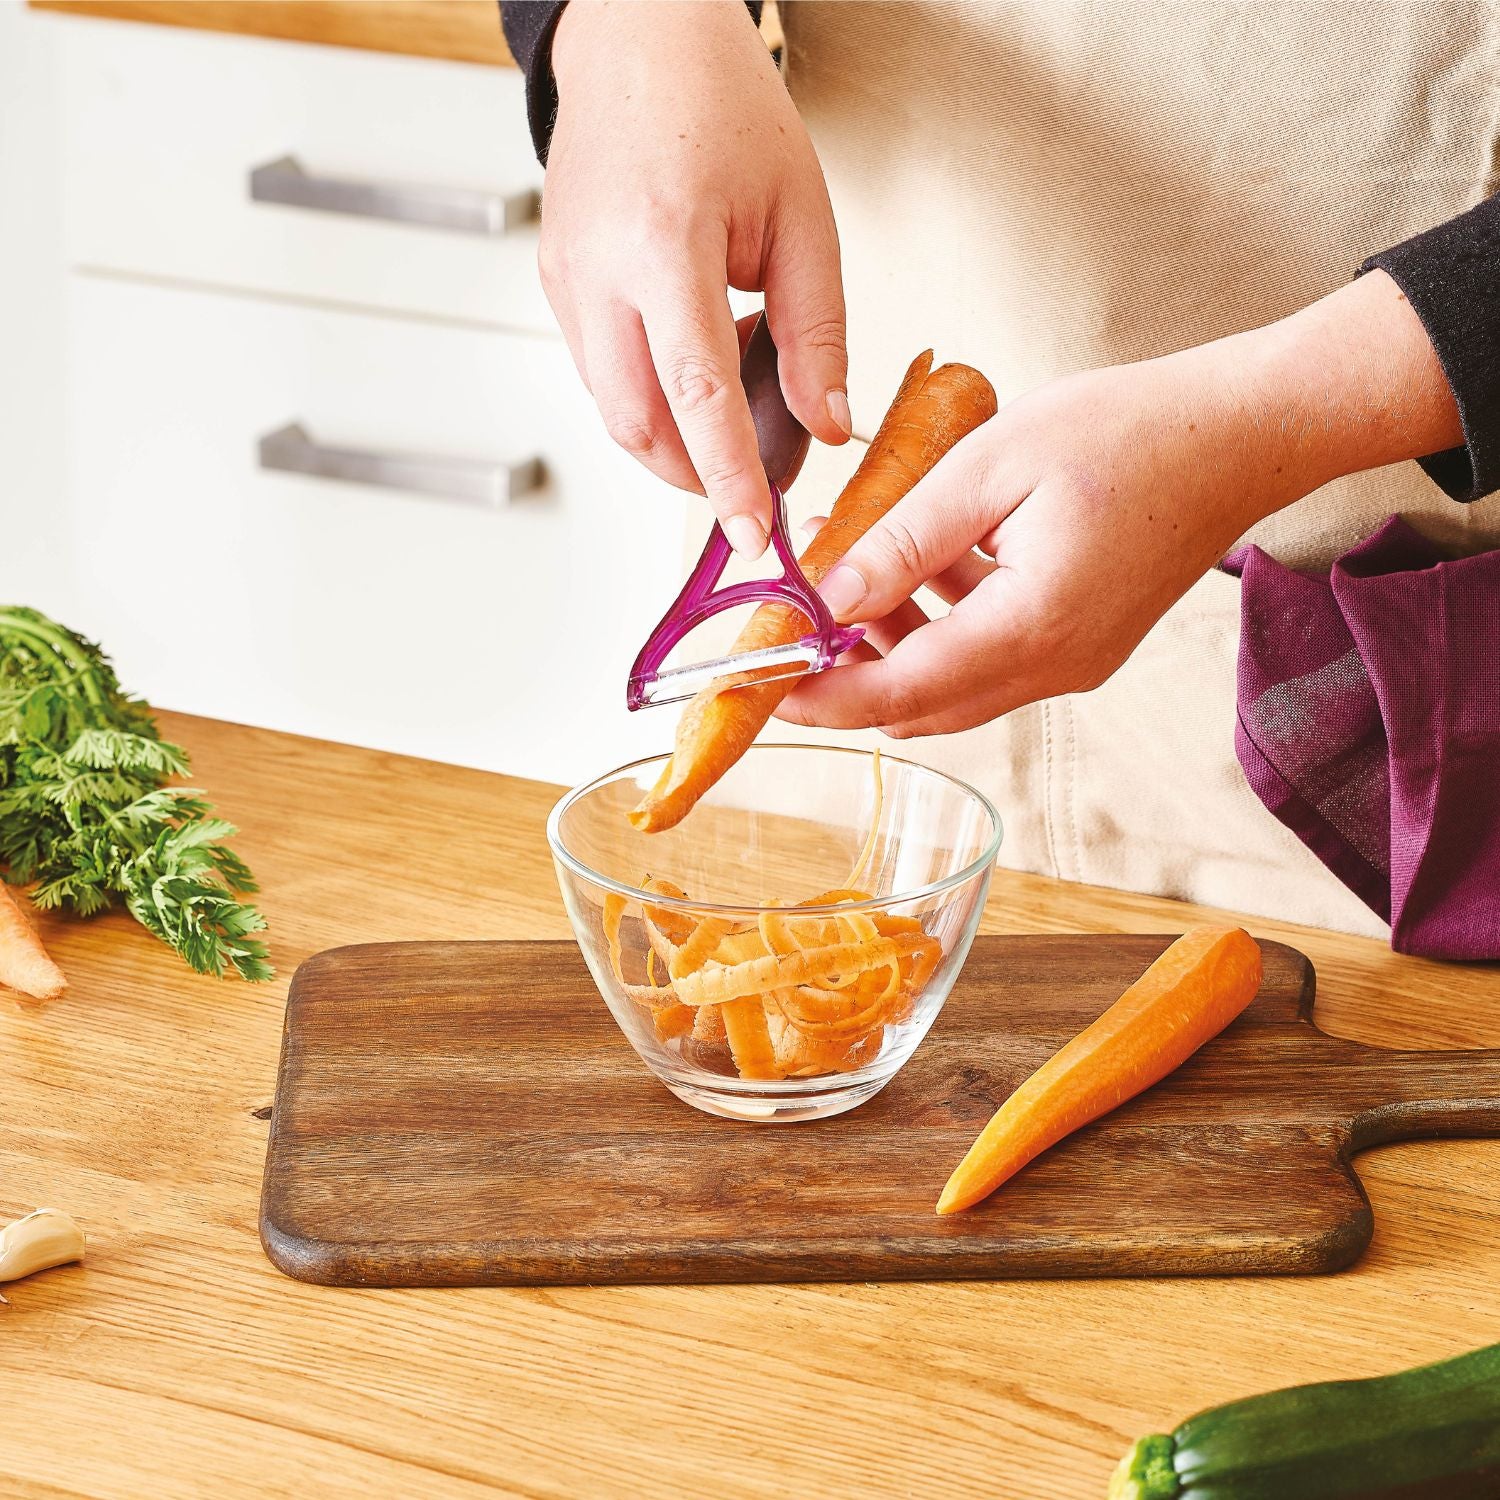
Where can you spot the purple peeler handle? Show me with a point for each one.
(782, 441)
(701, 598)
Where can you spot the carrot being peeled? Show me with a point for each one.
(933, 409)
(24, 964)
(1188, 996)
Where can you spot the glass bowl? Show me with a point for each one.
(744, 1000)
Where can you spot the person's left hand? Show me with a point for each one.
(1096, 500)
(1100, 498)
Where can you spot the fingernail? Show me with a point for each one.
(838, 408)
(746, 535)
(843, 590)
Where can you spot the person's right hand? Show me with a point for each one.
(679, 168)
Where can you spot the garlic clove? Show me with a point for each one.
(38, 1242)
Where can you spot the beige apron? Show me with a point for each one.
(1043, 187)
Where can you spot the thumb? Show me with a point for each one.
(804, 292)
(925, 533)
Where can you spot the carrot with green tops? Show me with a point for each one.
(24, 964)
(1188, 996)
(933, 409)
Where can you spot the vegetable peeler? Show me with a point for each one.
(783, 443)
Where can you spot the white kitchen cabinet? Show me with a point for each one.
(162, 128)
(496, 636)
(31, 285)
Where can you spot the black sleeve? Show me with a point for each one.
(1451, 277)
(528, 26)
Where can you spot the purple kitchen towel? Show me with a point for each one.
(1369, 723)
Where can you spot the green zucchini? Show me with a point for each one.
(1427, 1434)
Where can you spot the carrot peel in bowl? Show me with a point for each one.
(772, 1000)
(1186, 998)
(799, 991)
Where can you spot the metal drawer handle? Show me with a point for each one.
(291, 450)
(287, 181)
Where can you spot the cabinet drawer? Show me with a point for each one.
(492, 634)
(163, 129)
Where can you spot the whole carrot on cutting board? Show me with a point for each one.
(933, 409)
(1187, 997)
(24, 963)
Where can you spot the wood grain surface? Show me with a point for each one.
(460, 30)
(464, 1114)
(463, 30)
(178, 1363)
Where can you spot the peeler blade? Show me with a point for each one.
(769, 664)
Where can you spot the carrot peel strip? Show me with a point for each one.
(708, 1025)
(645, 994)
(716, 984)
(750, 1039)
(849, 1028)
(860, 864)
(699, 947)
(673, 1021)
(674, 925)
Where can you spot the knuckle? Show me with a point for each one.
(551, 265)
(694, 384)
(825, 335)
(1052, 627)
(721, 474)
(904, 549)
(898, 706)
(632, 431)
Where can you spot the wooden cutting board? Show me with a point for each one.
(453, 1114)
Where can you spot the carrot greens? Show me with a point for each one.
(86, 812)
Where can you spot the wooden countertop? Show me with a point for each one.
(177, 1362)
(463, 30)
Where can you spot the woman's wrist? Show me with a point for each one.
(590, 31)
(608, 34)
(1350, 382)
